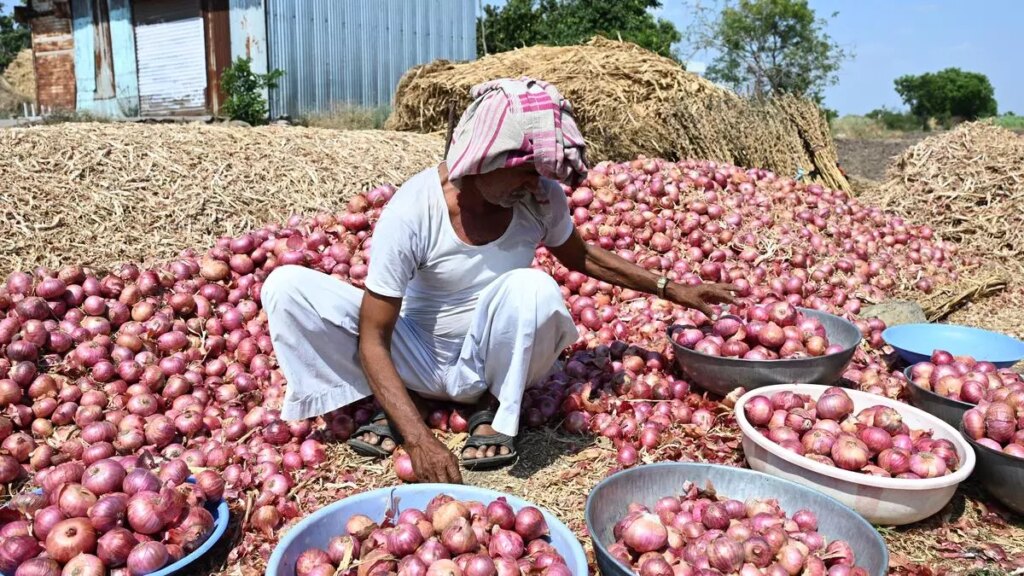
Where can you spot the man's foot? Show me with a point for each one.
(487, 451)
(487, 448)
(386, 443)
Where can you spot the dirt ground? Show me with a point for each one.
(868, 159)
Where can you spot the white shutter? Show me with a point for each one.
(169, 44)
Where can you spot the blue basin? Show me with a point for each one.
(916, 342)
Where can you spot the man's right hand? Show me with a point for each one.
(432, 461)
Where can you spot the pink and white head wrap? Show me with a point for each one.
(514, 123)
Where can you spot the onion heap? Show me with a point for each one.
(961, 377)
(768, 333)
(175, 360)
(448, 538)
(700, 532)
(117, 514)
(875, 441)
(999, 423)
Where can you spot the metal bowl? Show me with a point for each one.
(722, 375)
(1000, 474)
(607, 503)
(916, 342)
(318, 529)
(946, 409)
(885, 501)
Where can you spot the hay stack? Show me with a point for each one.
(968, 184)
(21, 75)
(99, 194)
(630, 101)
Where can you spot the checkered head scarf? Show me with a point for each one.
(514, 123)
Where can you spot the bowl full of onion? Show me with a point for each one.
(947, 386)
(893, 463)
(113, 529)
(916, 342)
(775, 344)
(682, 518)
(996, 432)
(429, 530)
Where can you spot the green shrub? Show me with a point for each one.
(895, 120)
(244, 89)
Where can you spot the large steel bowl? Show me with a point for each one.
(723, 375)
(884, 501)
(946, 409)
(318, 529)
(607, 503)
(1000, 474)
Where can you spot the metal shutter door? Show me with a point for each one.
(169, 44)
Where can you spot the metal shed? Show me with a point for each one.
(355, 51)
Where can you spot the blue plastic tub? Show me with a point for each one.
(326, 523)
(916, 342)
(220, 525)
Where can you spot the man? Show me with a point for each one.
(452, 310)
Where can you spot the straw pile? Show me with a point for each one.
(630, 101)
(98, 194)
(968, 184)
(21, 75)
(10, 101)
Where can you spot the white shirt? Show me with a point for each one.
(416, 255)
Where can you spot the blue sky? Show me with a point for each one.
(894, 37)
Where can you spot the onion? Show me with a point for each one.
(39, 567)
(146, 558)
(70, 538)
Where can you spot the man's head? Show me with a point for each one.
(506, 186)
(517, 124)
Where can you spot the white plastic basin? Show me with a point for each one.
(884, 501)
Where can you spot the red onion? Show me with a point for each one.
(70, 538)
(146, 558)
(143, 513)
(39, 567)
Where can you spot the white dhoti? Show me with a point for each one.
(519, 328)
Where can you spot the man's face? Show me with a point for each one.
(506, 186)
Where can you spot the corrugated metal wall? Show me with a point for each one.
(355, 51)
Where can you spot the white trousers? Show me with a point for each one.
(520, 327)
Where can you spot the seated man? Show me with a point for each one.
(452, 310)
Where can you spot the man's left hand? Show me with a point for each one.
(701, 296)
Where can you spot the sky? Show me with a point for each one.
(890, 38)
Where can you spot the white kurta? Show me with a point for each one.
(474, 318)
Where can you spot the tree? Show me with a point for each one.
(947, 95)
(244, 89)
(771, 47)
(565, 22)
(13, 38)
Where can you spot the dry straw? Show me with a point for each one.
(630, 101)
(98, 194)
(967, 183)
(21, 75)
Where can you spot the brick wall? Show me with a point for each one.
(53, 47)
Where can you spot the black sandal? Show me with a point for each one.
(381, 430)
(483, 440)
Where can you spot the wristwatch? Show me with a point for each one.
(662, 284)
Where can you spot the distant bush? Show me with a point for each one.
(347, 117)
(244, 89)
(949, 96)
(1010, 121)
(895, 120)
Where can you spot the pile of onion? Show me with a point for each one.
(875, 441)
(999, 424)
(117, 515)
(961, 377)
(700, 532)
(448, 538)
(768, 333)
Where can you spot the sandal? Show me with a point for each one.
(481, 440)
(384, 430)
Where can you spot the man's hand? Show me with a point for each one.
(701, 296)
(432, 461)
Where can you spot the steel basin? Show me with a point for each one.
(1000, 474)
(607, 503)
(723, 375)
(946, 409)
